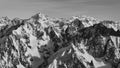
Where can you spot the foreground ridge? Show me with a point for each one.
(44, 42)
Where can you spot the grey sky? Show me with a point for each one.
(101, 9)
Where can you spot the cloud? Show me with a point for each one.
(60, 8)
(103, 2)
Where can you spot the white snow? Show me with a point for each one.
(88, 58)
(20, 66)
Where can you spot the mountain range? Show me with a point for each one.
(44, 42)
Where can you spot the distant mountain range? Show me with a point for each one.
(44, 42)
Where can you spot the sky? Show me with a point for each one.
(100, 9)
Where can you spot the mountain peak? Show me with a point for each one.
(39, 15)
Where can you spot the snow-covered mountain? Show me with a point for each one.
(44, 42)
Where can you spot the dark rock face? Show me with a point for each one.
(43, 42)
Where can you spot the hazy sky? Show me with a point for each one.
(101, 9)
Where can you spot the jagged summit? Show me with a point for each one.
(44, 42)
(39, 15)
